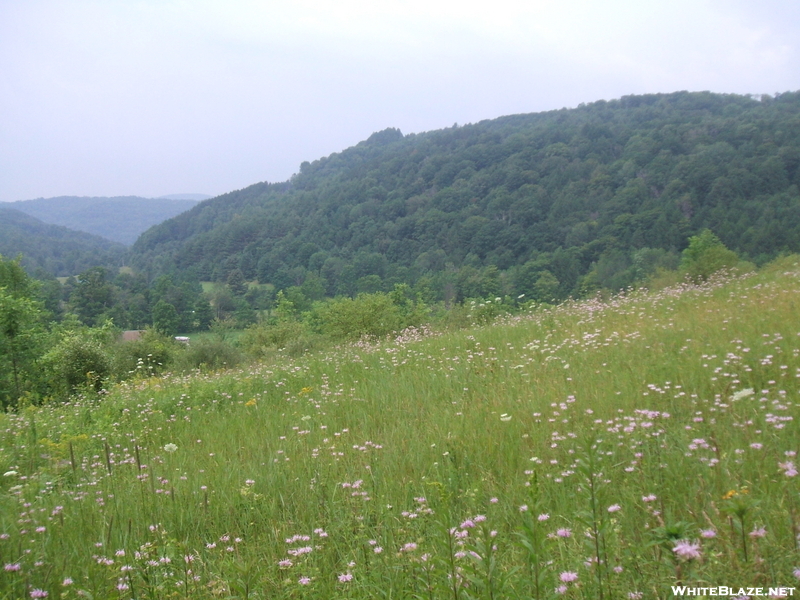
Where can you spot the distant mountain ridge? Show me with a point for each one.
(198, 197)
(53, 248)
(120, 219)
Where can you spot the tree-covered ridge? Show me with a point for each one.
(53, 249)
(121, 219)
(546, 204)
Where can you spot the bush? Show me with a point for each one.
(705, 256)
(150, 355)
(209, 354)
(371, 315)
(266, 336)
(77, 362)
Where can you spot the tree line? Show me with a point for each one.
(53, 348)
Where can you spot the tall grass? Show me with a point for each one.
(593, 450)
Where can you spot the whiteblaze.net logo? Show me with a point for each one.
(723, 590)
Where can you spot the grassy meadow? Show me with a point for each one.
(599, 449)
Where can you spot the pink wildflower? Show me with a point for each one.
(687, 550)
(564, 532)
(708, 533)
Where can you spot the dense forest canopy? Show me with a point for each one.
(549, 204)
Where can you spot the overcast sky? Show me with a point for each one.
(156, 97)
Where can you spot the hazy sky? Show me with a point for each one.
(155, 97)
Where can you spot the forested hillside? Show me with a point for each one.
(547, 204)
(53, 249)
(121, 219)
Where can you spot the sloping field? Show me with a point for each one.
(594, 450)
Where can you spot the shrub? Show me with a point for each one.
(266, 336)
(209, 354)
(705, 256)
(77, 362)
(150, 355)
(372, 315)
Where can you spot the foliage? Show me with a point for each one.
(706, 255)
(53, 249)
(20, 332)
(77, 363)
(549, 205)
(152, 354)
(272, 335)
(370, 315)
(209, 354)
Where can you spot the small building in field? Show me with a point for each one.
(132, 335)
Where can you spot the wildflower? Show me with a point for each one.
(285, 564)
(568, 576)
(38, 593)
(523, 508)
(758, 533)
(788, 468)
(249, 482)
(170, 447)
(614, 508)
(505, 417)
(756, 446)
(377, 549)
(687, 550)
(635, 595)
(543, 517)
(67, 581)
(562, 589)
(742, 394)
(618, 569)
(649, 498)
(479, 518)
(493, 500)
(796, 573)
(12, 567)
(708, 533)
(304, 580)
(345, 577)
(408, 547)
(564, 532)
(10, 474)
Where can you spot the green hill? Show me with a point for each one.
(56, 250)
(547, 205)
(121, 219)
